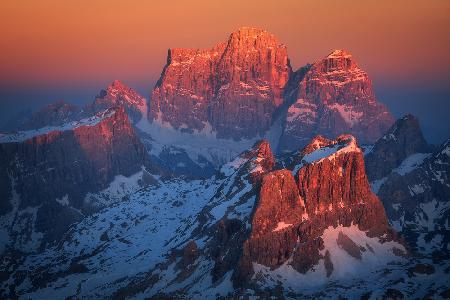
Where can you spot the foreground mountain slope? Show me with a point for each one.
(334, 96)
(202, 239)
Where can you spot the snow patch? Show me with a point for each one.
(281, 226)
(347, 113)
(410, 163)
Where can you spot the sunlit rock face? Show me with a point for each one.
(232, 89)
(330, 189)
(334, 96)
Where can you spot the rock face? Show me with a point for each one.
(52, 171)
(417, 200)
(330, 189)
(334, 96)
(244, 89)
(265, 229)
(411, 178)
(118, 94)
(403, 139)
(276, 208)
(233, 88)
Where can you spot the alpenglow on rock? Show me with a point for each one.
(118, 94)
(330, 189)
(231, 89)
(334, 96)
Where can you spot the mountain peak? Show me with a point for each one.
(117, 84)
(407, 125)
(324, 148)
(334, 95)
(339, 53)
(252, 38)
(249, 32)
(251, 68)
(263, 148)
(118, 94)
(53, 114)
(316, 143)
(339, 60)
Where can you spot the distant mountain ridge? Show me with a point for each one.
(209, 105)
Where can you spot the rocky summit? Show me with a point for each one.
(118, 94)
(334, 96)
(330, 189)
(232, 89)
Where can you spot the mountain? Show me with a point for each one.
(417, 199)
(215, 103)
(403, 139)
(47, 173)
(118, 94)
(232, 89)
(411, 178)
(226, 185)
(209, 105)
(333, 96)
(250, 230)
(297, 220)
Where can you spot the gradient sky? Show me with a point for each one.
(52, 49)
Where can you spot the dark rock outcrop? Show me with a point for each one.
(417, 202)
(400, 141)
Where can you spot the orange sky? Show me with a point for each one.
(54, 42)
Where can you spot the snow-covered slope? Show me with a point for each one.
(202, 150)
(185, 239)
